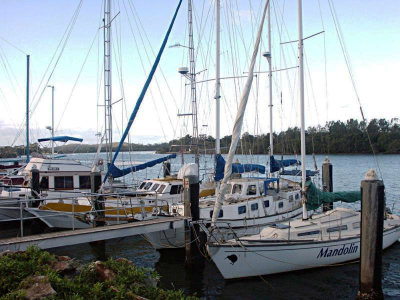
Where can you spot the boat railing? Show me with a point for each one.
(120, 209)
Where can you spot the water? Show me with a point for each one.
(204, 278)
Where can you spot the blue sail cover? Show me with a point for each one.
(236, 168)
(143, 93)
(298, 172)
(116, 172)
(63, 138)
(276, 165)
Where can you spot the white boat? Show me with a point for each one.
(328, 238)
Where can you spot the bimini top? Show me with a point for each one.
(63, 138)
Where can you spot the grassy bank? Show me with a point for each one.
(37, 272)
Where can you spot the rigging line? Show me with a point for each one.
(349, 69)
(12, 45)
(155, 77)
(7, 66)
(77, 78)
(67, 32)
(8, 75)
(152, 50)
(142, 64)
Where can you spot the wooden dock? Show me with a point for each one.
(73, 237)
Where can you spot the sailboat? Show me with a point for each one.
(328, 238)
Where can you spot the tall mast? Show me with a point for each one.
(271, 131)
(302, 125)
(193, 84)
(52, 119)
(107, 79)
(217, 78)
(27, 107)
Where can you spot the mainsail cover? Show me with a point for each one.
(276, 165)
(116, 172)
(236, 168)
(316, 197)
(144, 90)
(237, 128)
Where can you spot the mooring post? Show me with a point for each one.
(35, 188)
(372, 215)
(95, 184)
(191, 209)
(327, 182)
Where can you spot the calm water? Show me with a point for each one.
(204, 279)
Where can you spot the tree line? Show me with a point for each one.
(335, 137)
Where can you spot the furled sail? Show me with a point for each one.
(276, 165)
(116, 172)
(143, 93)
(236, 168)
(316, 197)
(237, 128)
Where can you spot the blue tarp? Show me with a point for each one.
(115, 172)
(236, 168)
(276, 165)
(268, 181)
(63, 138)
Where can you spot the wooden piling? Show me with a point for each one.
(35, 186)
(327, 182)
(372, 215)
(98, 201)
(191, 209)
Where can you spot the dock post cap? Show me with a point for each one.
(371, 175)
(326, 160)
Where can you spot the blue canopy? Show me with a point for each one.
(115, 172)
(63, 138)
(236, 168)
(276, 165)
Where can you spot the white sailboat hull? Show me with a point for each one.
(175, 238)
(263, 258)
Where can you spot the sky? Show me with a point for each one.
(36, 27)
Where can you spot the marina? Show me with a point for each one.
(236, 183)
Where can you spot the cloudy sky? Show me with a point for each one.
(65, 41)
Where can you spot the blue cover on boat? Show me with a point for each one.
(63, 138)
(236, 168)
(116, 172)
(298, 172)
(276, 165)
(143, 93)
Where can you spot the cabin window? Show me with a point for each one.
(155, 186)
(142, 185)
(309, 233)
(337, 228)
(220, 215)
(148, 185)
(63, 182)
(266, 203)
(280, 205)
(252, 190)
(44, 183)
(291, 198)
(356, 225)
(254, 206)
(237, 189)
(161, 189)
(175, 189)
(241, 209)
(84, 182)
(297, 196)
